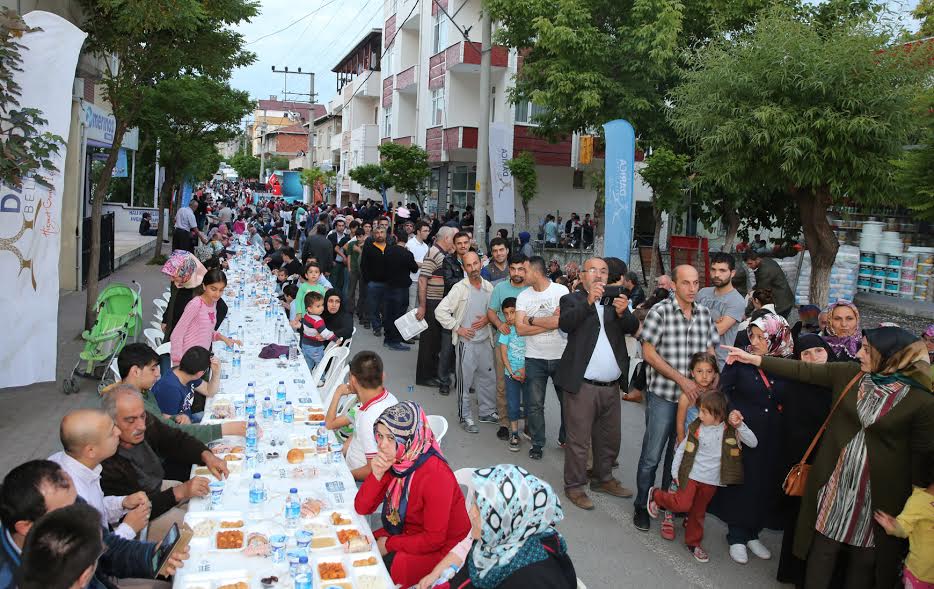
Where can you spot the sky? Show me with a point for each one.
(316, 43)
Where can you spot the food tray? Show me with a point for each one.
(344, 582)
(216, 579)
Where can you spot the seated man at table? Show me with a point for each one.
(37, 487)
(139, 367)
(175, 390)
(366, 381)
(145, 444)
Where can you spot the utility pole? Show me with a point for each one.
(262, 148)
(483, 132)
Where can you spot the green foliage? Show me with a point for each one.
(666, 173)
(522, 168)
(915, 168)
(25, 151)
(405, 166)
(246, 165)
(203, 163)
(371, 176)
(276, 162)
(313, 176)
(924, 12)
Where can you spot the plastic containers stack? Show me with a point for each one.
(924, 268)
(843, 275)
(871, 277)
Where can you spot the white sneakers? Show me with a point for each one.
(738, 551)
(759, 549)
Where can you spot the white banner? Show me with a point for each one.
(30, 217)
(501, 183)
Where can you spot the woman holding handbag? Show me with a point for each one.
(749, 507)
(803, 412)
(881, 422)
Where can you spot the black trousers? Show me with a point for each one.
(429, 344)
(182, 240)
(822, 559)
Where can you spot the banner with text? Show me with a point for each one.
(502, 188)
(620, 167)
(30, 216)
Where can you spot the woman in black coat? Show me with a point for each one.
(749, 507)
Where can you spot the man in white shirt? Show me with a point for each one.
(416, 244)
(366, 381)
(185, 225)
(537, 315)
(89, 437)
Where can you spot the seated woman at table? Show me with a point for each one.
(423, 515)
(513, 516)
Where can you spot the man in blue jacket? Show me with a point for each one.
(34, 488)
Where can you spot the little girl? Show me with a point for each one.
(915, 522)
(196, 327)
(709, 456)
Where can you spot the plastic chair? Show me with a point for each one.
(464, 476)
(156, 325)
(166, 296)
(331, 384)
(165, 348)
(439, 426)
(160, 304)
(336, 356)
(153, 337)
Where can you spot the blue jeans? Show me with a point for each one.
(313, 355)
(374, 299)
(514, 398)
(396, 302)
(660, 417)
(537, 372)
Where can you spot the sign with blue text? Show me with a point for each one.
(619, 199)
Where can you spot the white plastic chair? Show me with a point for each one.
(464, 476)
(156, 325)
(166, 296)
(335, 356)
(439, 427)
(160, 304)
(165, 348)
(331, 384)
(153, 337)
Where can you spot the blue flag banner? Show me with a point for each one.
(187, 191)
(121, 168)
(619, 205)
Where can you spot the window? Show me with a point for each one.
(439, 32)
(437, 106)
(578, 179)
(387, 122)
(526, 111)
(463, 186)
(386, 66)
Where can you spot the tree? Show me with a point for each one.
(924, 12)
(276, 162)
(666, 174)
(522, 168)
(246, 165)
(190, 115)
(317, 178)
(371, 176)
(146, 41)
(402, 167)
(794, 112)
(26, 153)
(915, 168)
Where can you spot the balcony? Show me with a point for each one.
(336, 142)
(407, 81)
(366, 85)
(405, 9)
(465, 57)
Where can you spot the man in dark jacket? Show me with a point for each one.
(318, 246)
(594, 366)
(770, 275)
(145, 444)
(399, 263)
(37, 487)
(373, 273)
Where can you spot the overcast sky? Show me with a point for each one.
(317, 42)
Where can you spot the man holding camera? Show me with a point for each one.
(593, 366)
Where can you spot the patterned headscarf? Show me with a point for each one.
(777, 333)
(184, 267)
(415, 443)
(517, 509)
(898, 355)
(843, 346)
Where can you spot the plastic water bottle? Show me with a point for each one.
(237, 364)
(251, 435)
(288, 415)
(250, 389)
(256, 490)
(303, 574)
(322, 447)
(280, 392)
(293, 509)
(267, 408)
(446, 576)
(250, 405)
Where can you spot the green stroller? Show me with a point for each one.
(119, 317)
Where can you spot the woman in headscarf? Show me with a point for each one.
(749, 507)
(843, 333)
(927, 336)
(423, 514)
(186, 273)
(882, 426)
(804, 409)
(513, 517)
(525, 247)
(335, 317)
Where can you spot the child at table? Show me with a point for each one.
(315, 335)
(314, 281)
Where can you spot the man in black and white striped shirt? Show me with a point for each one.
(674, 330)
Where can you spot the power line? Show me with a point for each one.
(291, 24)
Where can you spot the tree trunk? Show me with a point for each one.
(732, 226)
(821, 241)
(525, 209)
(97, 207)
(657, 216)
(165, 195)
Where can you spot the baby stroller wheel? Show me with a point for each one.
(69, 386)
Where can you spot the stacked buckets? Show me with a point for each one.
(924, 257)
(884, 268)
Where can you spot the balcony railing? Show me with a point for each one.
(465, 57)
(407, 80)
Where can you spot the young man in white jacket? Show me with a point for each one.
(463, 311)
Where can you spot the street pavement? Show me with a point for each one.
(607, 551)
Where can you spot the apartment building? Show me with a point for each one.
(281, 114)
(430, 80)
(327, 141)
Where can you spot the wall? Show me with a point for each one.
(291, 144)
(127, 218)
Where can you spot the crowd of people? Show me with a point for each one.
(735, 398)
